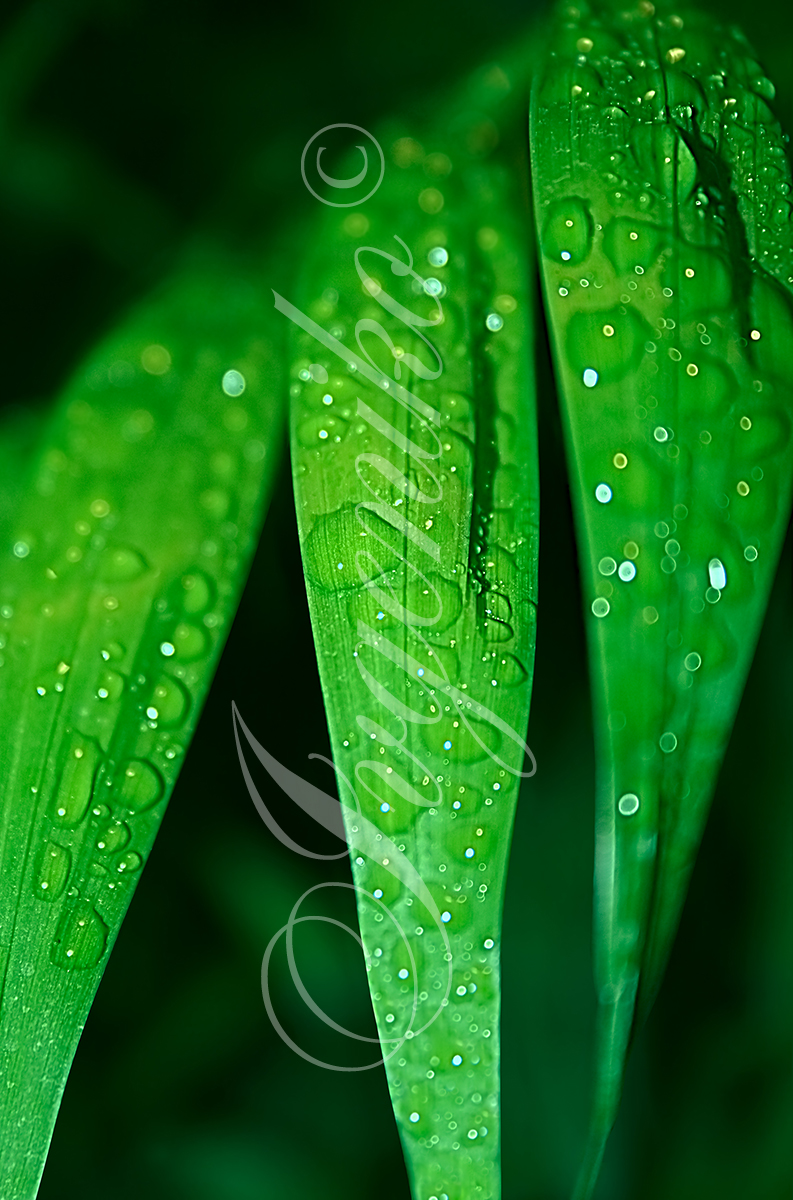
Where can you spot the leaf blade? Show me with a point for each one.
(660, 195)
(115, 605)
(469, 441)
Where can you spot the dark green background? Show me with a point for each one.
(124, 127)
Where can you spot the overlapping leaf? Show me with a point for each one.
(414, 452)
(662, 199)
(125, 565)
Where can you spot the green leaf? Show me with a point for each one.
(661, 190)
(415, 468)
(129, 553)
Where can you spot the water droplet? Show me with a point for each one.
(114, 837)
(457, 1060)
(414, 1117)
(140, 786)
(53, 871)
(81, 939)
(628, 804)
(155, 360)
(509, 671)
(601, 607)
(233, 383)
(470, 852)
(627, 572)
(750, 553)
(21, 549)
(438, 257)
(590, 377)
(73, 794)
(110, 685)
(488, 943)
(494, 322)
(567, 231)
(717, 574)
(130, 863)
(446, 916)
(667, 742)
(607, 566)
(629, 243)
(197, 592)
(763, 87)
(189, 641)
(215, 501)
(692, 662)
(120, 564)
(620, 461)
(171, 700)
(603, 493)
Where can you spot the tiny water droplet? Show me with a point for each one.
(233, 383)
(717, 574)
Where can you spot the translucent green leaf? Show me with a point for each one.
(117, 587)
(662, 200)
(414, 453)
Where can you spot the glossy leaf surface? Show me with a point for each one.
(661, 190)
(414, 452)
(125, 565)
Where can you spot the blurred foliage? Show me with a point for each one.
(125, 126)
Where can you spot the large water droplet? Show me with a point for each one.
(129, 863)
(119, 564)
(197, 592)
(509, 671)
(630, 243)
(110, 685)
(610, 356)
(700, 278)
(81, 939)
(169, 701)
(53, 871)
(189, 642)
(215, 501)
(73, 793)
(140, 786)
(114, 836)
(567, 232)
